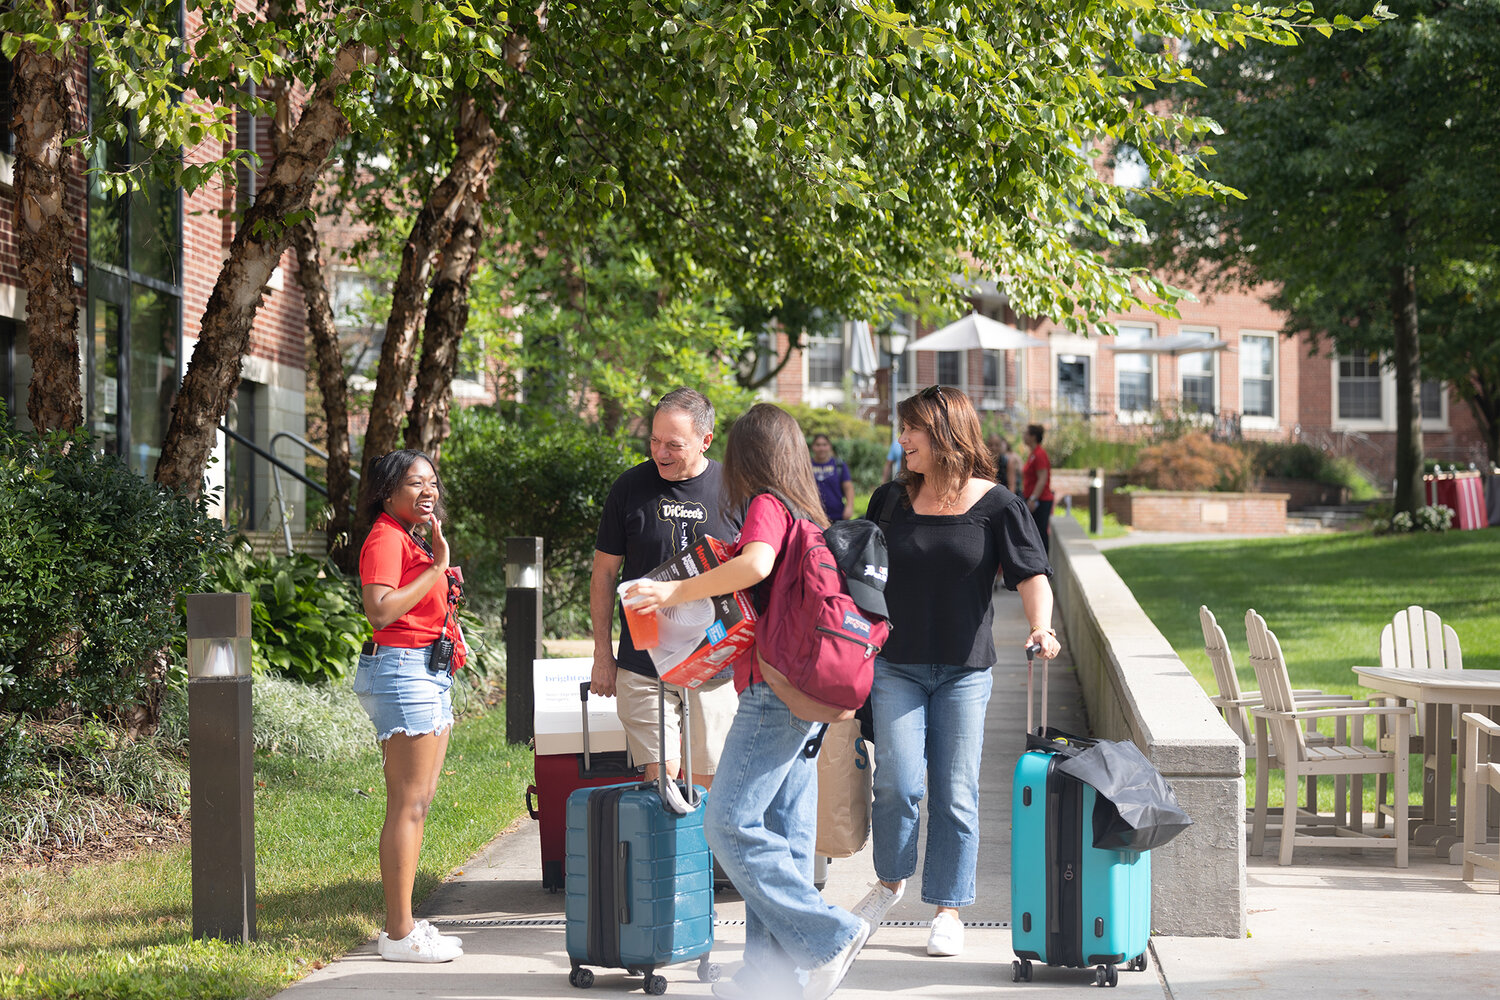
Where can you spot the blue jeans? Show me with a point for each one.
(761, 818)
(929, 735)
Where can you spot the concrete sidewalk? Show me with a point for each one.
(1339, 923)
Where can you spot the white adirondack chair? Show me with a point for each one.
(1233, 703)
(1481, 777)
(1283, 720)
(1415, 639)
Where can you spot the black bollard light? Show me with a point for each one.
(523, 633)
(221, 768)
(1096, 501)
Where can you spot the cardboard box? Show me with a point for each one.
(699, 642)
(557, 711)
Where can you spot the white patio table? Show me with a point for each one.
(1441, 696)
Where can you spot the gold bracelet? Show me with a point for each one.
(1050, 631)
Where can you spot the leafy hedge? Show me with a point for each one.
(307, 619)
(92, 564)
(1191, 462)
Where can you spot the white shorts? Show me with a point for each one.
(712, 704)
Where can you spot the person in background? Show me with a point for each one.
(1036, 480)
(763, 812)
(403, 681)
(951, 530)
(1007, 462)
(892, 462)
(835, 485)
(655, 510)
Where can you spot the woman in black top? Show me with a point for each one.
(951, 531)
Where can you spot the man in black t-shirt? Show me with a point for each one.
(654, 511)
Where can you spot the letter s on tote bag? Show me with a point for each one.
(846, 786)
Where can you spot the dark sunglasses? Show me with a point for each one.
(936, 392)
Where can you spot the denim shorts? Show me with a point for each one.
(400, 695)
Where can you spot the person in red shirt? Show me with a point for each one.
(404, 677)
(1036, 480)
(762, 815)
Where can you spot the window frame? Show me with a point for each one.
(1386, 422)
(1262, 421)
(1213, 376)
(810, 348)
(1152, 372)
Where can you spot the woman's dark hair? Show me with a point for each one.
(766, 453)
(952, 427)
(386, 475)
(825, 437)
(1037, 431)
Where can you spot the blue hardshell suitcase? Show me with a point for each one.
(1071, 904)
(639, 883)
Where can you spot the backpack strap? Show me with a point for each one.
(888, 506)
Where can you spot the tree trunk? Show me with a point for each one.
(225, 335)
(44, 102)
(427, 424)
(1483, 398)
(332, 386)
(1408, 363)
(431, 229)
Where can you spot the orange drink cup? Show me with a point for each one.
(642, 624)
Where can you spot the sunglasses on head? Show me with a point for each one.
(936, 392)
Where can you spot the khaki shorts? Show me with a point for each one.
(712, 704)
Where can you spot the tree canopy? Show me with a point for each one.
(1364, 194)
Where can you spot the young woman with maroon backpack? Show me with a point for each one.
(762, 813)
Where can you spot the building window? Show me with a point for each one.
(7, 139)
(949, 365)
(1432, 400)
(134, 319)
(1197, 381)
(15, 371)
(825, 361)
(1359, 387)
(1134, 373)
(1257, 375)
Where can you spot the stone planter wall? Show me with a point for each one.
(1230, 513)
(1303, 493)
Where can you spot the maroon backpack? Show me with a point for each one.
(816, 648)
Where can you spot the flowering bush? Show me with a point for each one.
(1438, 517)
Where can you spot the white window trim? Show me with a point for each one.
(1261, 423)
(807, 352)
(1123, 416)
(1387, 421)
(1215, 371)
(7, 170)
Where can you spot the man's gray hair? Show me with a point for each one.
(694, 404)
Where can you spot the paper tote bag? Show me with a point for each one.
(846, 786)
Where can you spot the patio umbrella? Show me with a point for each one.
(862, 359)
(1178, 344)
(975, 331)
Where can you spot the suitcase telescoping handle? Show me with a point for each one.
(583, 696)
(670, 796)
(1031, 650)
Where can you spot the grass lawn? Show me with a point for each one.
(1325, 596)
(124, 930)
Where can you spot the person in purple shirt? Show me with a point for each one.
(835, 486)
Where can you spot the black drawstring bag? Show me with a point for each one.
(1134, 807)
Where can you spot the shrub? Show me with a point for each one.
(307, 619)
(548, 480)
(1191, 462)
(92, 565)
(321, 722)
(1438, 517)
(1284, 460)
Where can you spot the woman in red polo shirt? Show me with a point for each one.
(404, 678)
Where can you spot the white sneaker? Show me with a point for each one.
(947, 937)
(423, 944)
(822, 981)
(876, 904)
(452, 939)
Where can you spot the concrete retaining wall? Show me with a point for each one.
(1135, 687)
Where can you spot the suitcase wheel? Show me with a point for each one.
(1020, 971)
(581, 978)
(656, 985)
(708, 972)
(1139, 963)
(1106, 975)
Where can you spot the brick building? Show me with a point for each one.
(144, 268)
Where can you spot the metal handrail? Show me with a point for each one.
(278, 467)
